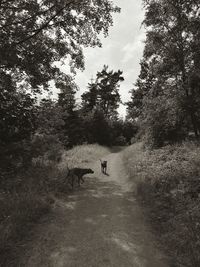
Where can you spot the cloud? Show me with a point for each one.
(122, 49)
(133, 48)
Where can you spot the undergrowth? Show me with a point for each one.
(28, 194)
(168, 185)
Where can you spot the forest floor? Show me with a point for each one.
(99, 224)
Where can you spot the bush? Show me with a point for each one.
(120, 141)
(168, 183)
(163, 122)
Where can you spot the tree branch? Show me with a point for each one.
(45, 25)
(29, 18)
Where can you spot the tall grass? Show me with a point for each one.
(82, 155)
(168, 184)
(29, 195)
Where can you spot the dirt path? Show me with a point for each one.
(100, 225)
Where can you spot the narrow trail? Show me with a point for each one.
(99, 225)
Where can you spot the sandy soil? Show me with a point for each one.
(99, 224)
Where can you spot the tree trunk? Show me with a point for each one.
(194, 124)
(190, 101)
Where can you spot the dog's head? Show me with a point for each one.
(90, 171)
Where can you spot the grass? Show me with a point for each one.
(81, 156)
(168, 185)
(29, 195)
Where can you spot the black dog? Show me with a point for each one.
(77, 173)
(103, 166)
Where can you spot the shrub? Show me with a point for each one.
(120, 141)
(168, 183)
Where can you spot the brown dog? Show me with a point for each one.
(103, 166)
(78, 173)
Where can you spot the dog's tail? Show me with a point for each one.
(100, 160)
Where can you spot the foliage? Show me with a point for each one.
(96, 128)
(35, 38)
(167, 183)
(17, 112)
(99, 109)
(129, 130)
(72, 128)
(162, 124)
(169, 71)
(106, 131)
(103, 94)
(35, 34)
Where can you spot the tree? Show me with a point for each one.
(98, 129)
(73, 126)
(104, 94)
(17, 112)
(142, 87)
(34, 37)
(35, 34)
(89, 99)
(129, 130)
(167, 94)
(66, 97)
(172, 38)
(99, 108)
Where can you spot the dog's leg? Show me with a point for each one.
(79, 181)
(72, 183)
(102, 169)
(81, 178)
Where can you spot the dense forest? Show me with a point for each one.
(163, 112)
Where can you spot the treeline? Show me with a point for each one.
(33, 37)
(94, 120)
(166, 98)
(31, 128)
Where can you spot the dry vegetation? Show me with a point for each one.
(29, 195)
(168, 185)
(82, 155)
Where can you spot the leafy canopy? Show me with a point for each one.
(36, 33)
(104, 94)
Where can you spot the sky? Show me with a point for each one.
(122, 49)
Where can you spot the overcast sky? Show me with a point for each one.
(122, 49)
